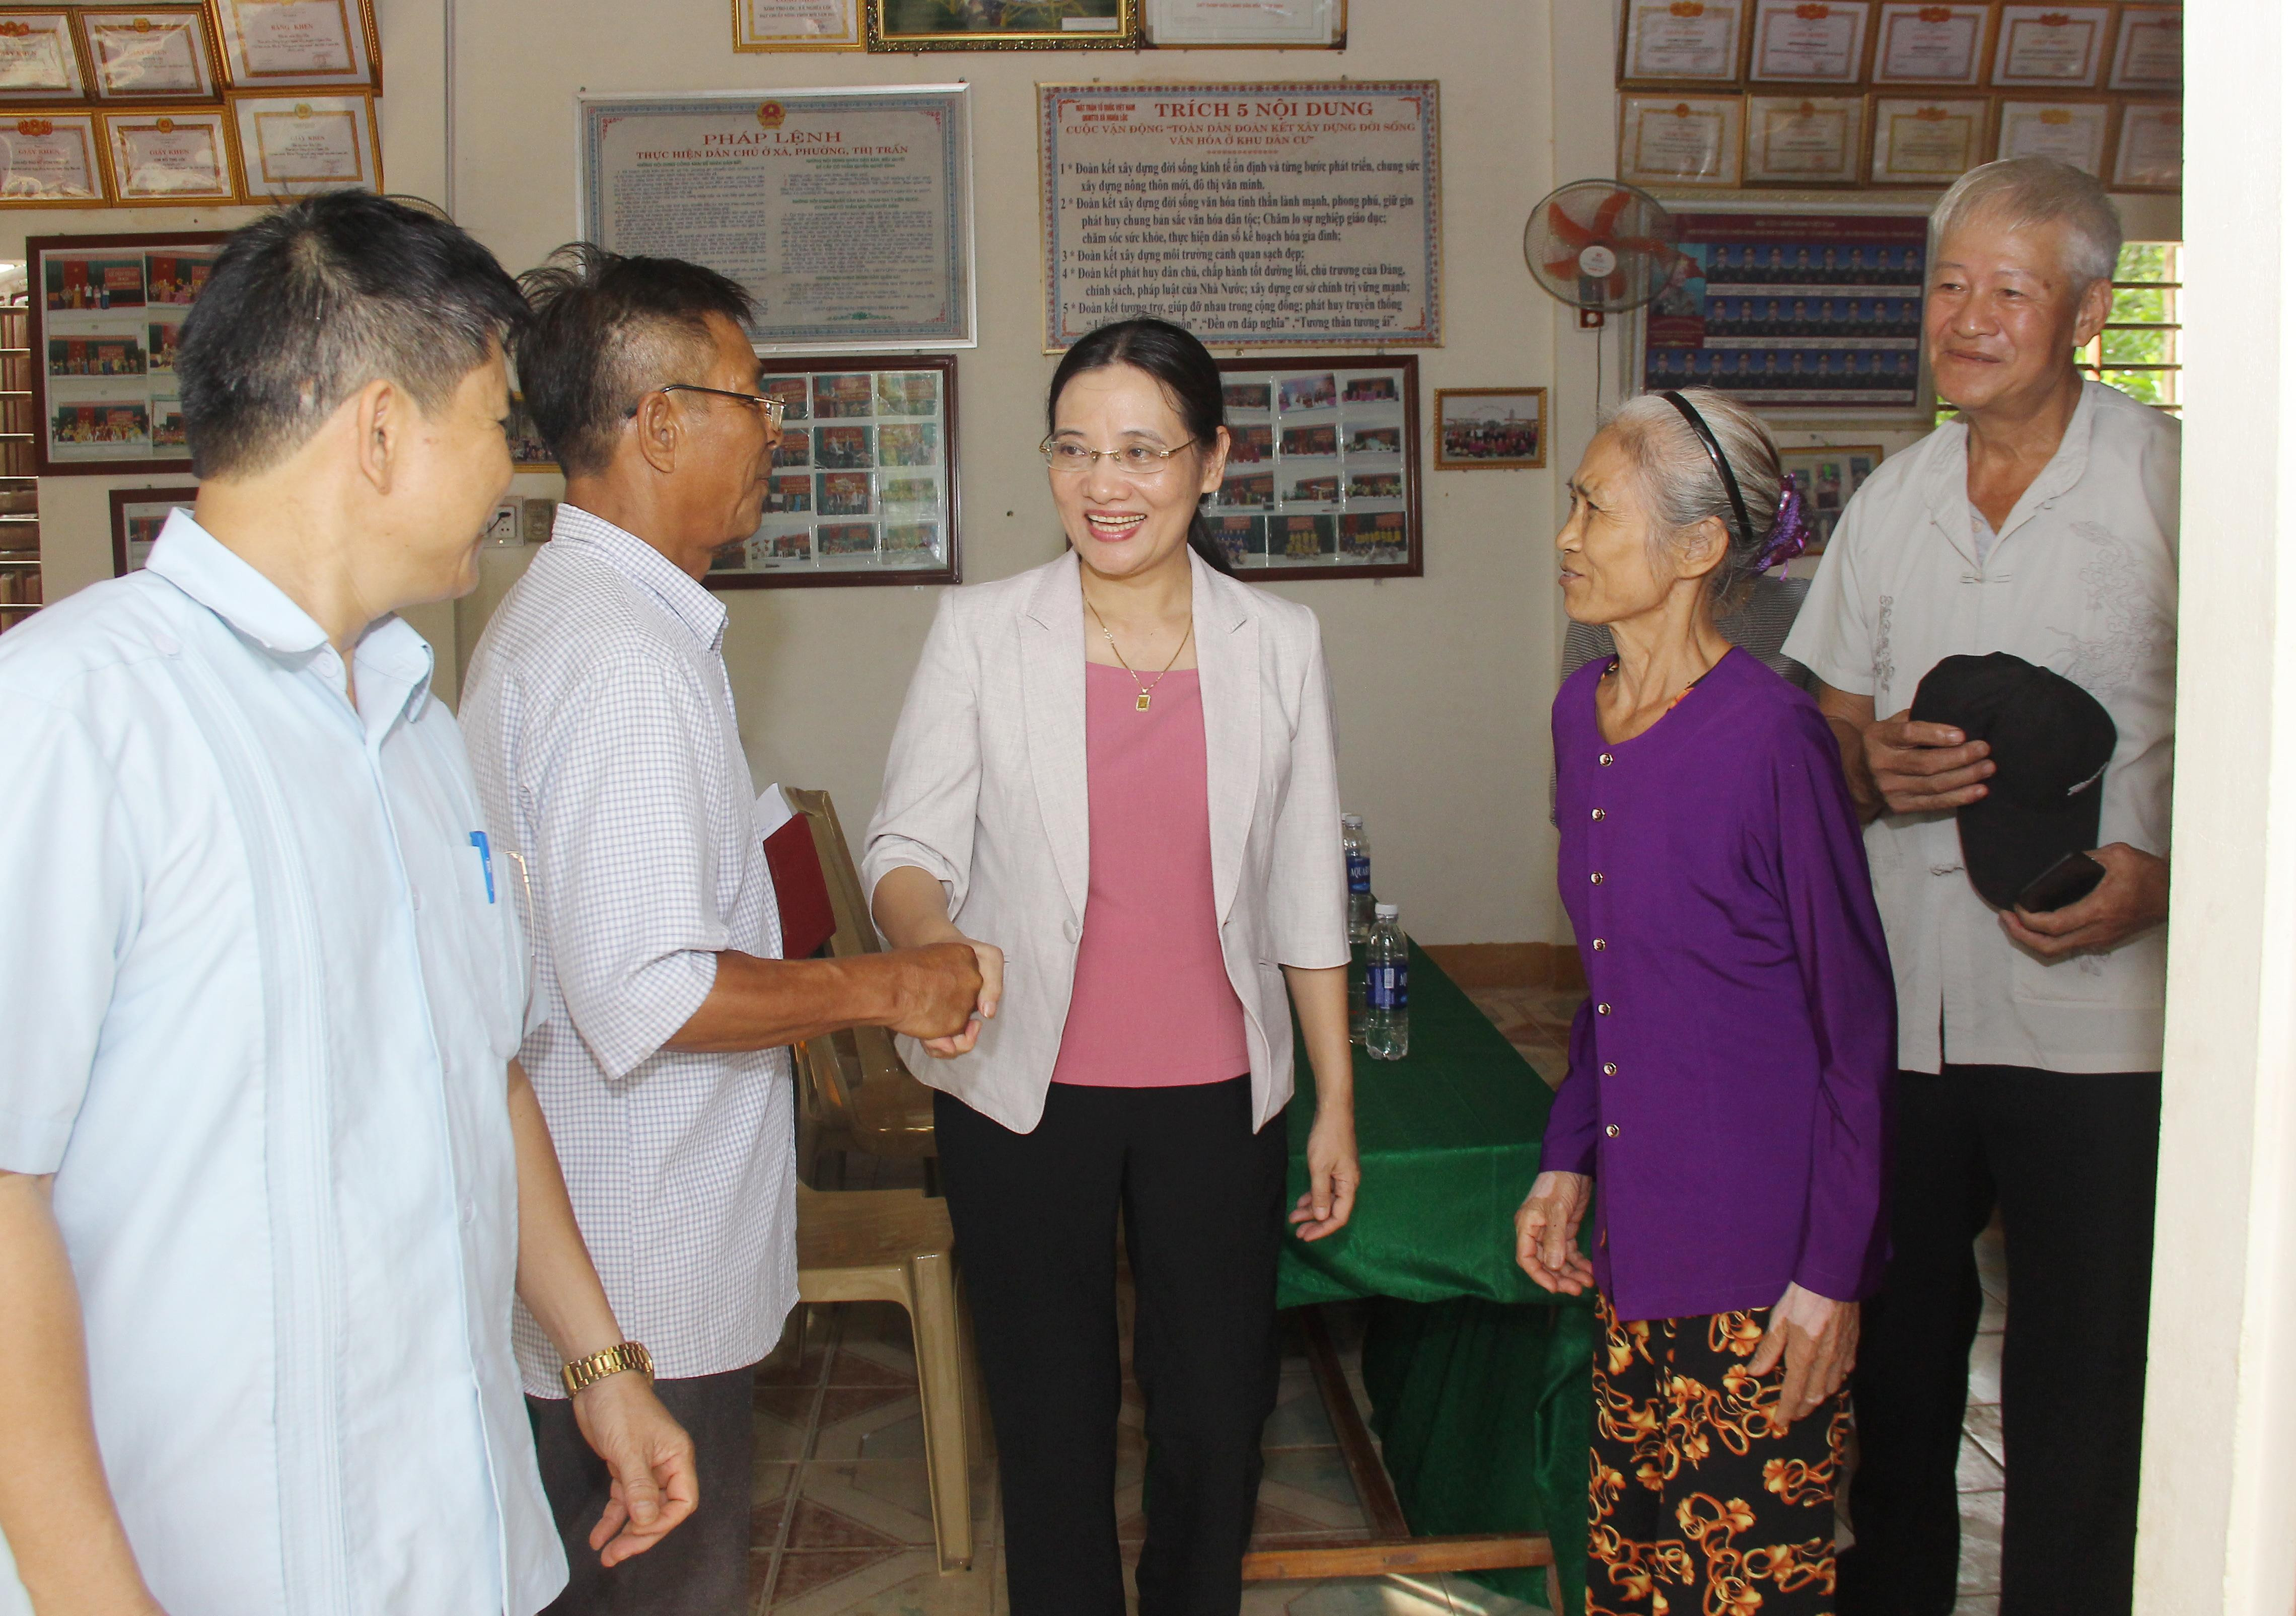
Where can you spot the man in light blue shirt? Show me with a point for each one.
(267, 1173)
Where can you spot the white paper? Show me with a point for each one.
(160, 59)
(284, 38)
(1665, 40)
(1944, 50)
(847, 214)
(1254, 214)
(1240, 21)
(774, 811)
(801, 22)
(40, 58)
(170, 157)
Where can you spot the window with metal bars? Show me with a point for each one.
(2141, 348)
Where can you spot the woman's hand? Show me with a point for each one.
(1546, 1233)
(1818, 1339)
(1332, 1174)
(990, 958)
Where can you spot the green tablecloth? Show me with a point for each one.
(1478, 1380)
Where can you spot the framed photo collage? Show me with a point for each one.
(223, 102)
(1800, 94)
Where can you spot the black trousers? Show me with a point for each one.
(2070, 1160)
(1036, 1216)
(702, 1568)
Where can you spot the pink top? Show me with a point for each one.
(1152, 1006)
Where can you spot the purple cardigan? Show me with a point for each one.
(1730, 1072)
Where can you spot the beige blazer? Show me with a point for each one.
(985, 790)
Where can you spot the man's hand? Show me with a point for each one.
(1923, 768)
(1818, 1339)
(2132, 897)
(649, 1457)
(1332, 1175)
(935, 990)
(1546, 1233)
(990, 960)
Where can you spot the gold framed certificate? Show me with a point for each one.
(161, 156)
(1681, 41)
(2149, 53)
(1003, 25)
(50, 159)
(154, 51)
(1688, 140)
(1920, 43)
(39, 60)
(298, 44)
(1919, 142)
(1810, 41)
(798, 25)
(292, 145)
(1798, 140)
(2058, 47)
(2070, 131)
(2150, 154)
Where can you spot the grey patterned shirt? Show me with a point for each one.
(602, 731)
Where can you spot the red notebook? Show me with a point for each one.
(807, 922)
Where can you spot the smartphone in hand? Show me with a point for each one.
(2067, 882)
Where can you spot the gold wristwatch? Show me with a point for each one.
(589, 1371)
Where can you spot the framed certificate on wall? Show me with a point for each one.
(1810, 41)
(2150, 154)
(170, 155)
(1919, 142)
(2072, 132)
(105, 315)
(51, 160)
(2057, 47)
(1680, 140)
(292, 145)
(2148, 52)
(300, 44)
(1799, 140)
(150, 53)
(39, 59)
(1298, 25)
(1681, 41)
(1920, 43)
(798, 25)
(864, 488)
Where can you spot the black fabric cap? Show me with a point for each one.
(2051, 741)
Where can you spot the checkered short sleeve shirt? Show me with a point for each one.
(602, 732)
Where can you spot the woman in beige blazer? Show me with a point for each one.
(1114, 777)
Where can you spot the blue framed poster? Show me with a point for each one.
(1794, 310)
(1256, 214)
(847, 213)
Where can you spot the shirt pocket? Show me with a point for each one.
(2131, 976)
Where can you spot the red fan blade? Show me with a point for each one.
(1567, 230)
(1562, 269)
(1606, 217)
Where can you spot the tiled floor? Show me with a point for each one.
(843, 1519)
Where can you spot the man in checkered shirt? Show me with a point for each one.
(602, 730)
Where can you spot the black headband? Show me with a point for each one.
(1721, 462)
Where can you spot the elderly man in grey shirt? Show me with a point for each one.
(602, 734)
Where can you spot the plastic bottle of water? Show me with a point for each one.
(1357, 1010)
(1357, 846)
(1387, 973)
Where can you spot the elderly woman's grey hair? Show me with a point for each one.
(1680, 488)
(2024, 191)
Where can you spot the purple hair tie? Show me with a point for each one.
(1789, 532)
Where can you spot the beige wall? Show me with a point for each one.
(1443, 682)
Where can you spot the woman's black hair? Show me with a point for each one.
(1189, 375)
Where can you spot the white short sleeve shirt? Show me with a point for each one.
(2082, 580)
(261, 983)
(603, 731)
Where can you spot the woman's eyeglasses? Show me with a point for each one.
(772, 407)
(1134, 459)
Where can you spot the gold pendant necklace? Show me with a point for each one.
(1145, 690)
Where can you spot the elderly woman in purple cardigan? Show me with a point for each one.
(1724, 1113)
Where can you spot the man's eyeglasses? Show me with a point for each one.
(772, 407)
(1134, 459)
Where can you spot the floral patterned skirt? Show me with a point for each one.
(1701, 1500)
